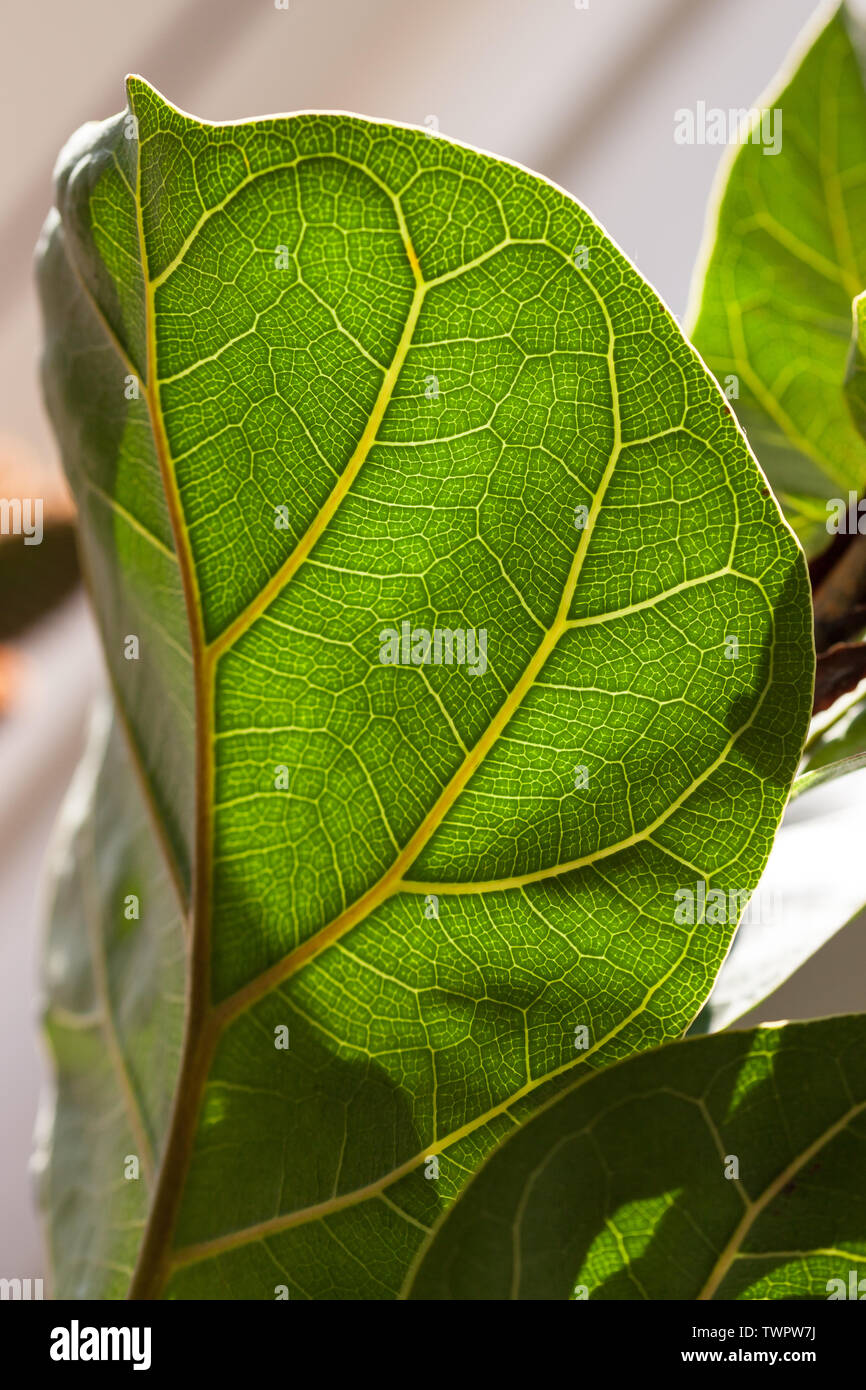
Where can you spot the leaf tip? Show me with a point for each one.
(135, 85)
(142, 95)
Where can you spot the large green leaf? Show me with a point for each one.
(379, 378)
(785, 255)
(728, 1167)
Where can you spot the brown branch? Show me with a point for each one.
(821, 565)
(840, 598)
(838, 671)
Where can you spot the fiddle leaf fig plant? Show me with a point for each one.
(461, 664)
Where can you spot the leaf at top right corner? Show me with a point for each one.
(785, 254)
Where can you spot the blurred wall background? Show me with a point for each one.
(584, 94)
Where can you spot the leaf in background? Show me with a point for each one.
(620, 1186)
(333, 376)
(786, 253)
(838, 737)
(113, 982)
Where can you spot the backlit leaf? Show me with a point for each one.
(322, 382)
(785, 255)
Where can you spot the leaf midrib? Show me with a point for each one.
(756, 1206)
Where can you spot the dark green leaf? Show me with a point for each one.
(727, 1167)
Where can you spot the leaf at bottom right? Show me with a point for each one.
(724, 1167)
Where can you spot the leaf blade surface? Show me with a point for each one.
(392, 339)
